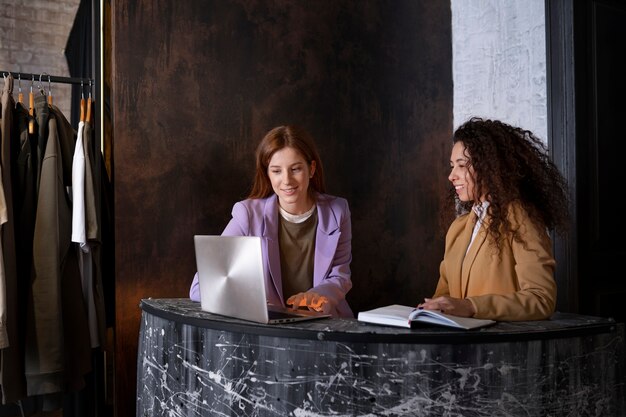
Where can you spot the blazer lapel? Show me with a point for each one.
(470, 257)
(326, 240)
(270, 233)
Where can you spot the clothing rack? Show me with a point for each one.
(43, 77)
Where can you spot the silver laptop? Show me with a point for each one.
(232, 283)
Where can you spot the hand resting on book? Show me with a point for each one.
(448, 305)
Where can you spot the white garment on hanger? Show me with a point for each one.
(79, 235)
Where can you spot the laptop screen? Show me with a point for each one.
(232, 281)
(231, 278)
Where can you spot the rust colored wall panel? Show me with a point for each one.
(198, 83)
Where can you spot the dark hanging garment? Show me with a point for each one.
(24, 208)
(103, 205)
(75, 325)
(44, 331)
(93, 229)
(12, 381)
(57, 344)
(42, 113)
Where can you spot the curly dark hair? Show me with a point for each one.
(510, 165)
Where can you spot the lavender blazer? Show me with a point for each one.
(333, 248)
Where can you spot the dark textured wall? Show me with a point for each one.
(197, 83)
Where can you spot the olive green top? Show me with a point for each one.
(297, 254)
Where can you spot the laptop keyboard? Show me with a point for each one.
(276, 315)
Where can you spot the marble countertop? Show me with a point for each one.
(350, 330)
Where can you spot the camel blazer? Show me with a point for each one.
(518, 285)
(333, 248)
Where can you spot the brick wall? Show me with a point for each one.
(499, 62)
(33, 34)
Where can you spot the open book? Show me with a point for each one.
(404, 316)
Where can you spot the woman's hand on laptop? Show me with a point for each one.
(311, 300)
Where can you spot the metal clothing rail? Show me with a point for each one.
(44, 77)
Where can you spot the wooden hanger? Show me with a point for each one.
(20, 95)
(49, 92)
(31, 108)
(82, 102)
(89, 100)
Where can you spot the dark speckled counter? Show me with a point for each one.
(192, 363)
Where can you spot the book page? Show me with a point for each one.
(442, 319)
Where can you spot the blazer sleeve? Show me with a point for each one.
(442, 285)
(194, 290)
(337, 281)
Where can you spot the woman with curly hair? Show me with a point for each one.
(498, 261)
